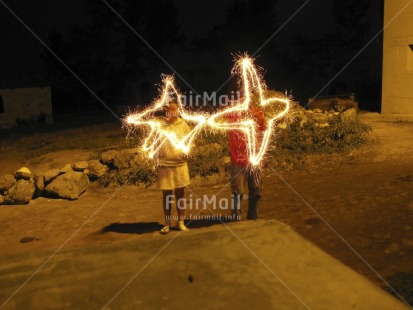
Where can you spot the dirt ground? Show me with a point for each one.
(356, 206)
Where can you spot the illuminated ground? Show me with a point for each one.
(261, 265)
(358, 207)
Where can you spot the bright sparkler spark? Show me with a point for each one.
(257, 142)
(158, 132)
(254, 96)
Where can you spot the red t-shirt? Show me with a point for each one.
(237, 139)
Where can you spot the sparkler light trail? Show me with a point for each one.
(253, 97)
(158, 131)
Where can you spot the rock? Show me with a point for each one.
(66, 168)
(50, 175)
(69, 185)
(198, 149)
(300, 114)
(226, 159)
(392, 248)
(320, 118)
(23, 173)
(108, 157)
(1, 200)
(80, 165)
(349, 115)
(39, 185)
(302, 117)
(21, 193)
(96, 169)
(74, 197)
(7, 181)
(127, 159)
(282, 125)
(215, 147)
(334, 102)
(122, 160)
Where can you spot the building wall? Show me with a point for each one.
(397, 93)
(25, 104)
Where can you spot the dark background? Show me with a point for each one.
(197, 40)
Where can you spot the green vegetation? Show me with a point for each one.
(210, 154)
(339, 136)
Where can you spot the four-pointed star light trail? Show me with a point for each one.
(254, 94)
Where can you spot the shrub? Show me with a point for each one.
(339, 136)
(210, 155)
(288, 148)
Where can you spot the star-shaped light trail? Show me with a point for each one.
(158, 131)
(257, 141)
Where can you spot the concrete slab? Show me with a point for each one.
(244, 265)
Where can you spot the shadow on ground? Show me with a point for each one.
(199, 223)
(402, 283)
(149, 227)
(132, 228)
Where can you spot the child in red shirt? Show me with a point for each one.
(243, 175)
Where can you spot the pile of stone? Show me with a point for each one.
(68, 183)
(323, 118)
(321, 111)
(338, 103)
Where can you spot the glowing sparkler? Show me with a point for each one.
(257, 142)
(254, 96)
(158, 131)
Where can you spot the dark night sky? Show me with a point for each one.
(313, 18)
(21, 50)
